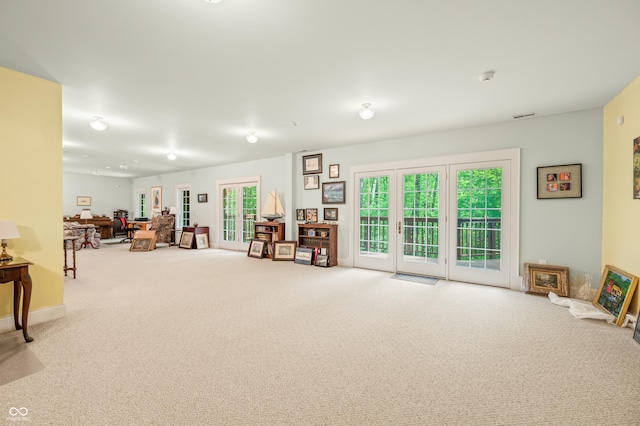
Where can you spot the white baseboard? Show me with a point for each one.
(49, 313)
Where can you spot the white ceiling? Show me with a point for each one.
(194, 78)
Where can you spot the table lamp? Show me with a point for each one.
(86, 214)
(8, 230)
(173, 210)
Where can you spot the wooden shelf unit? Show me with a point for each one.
(269, 232)
(327, 243)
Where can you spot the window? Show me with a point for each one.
(141, 204)
(183, 197)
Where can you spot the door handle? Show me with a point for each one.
(399, 227)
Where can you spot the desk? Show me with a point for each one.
(103, 224)
(73, 249)
(17, 270)
(86, 242)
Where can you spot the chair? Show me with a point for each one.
(128, 229)
(120, 227)
(164, 226)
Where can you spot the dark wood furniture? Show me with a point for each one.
(196, 230)
(73, 249)
(17, 270)
(85, 235)
(269, 232)
(321, 236)
(105, 224)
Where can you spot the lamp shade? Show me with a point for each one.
(86, 214)
(173, 210)
(8, 230)
(366, 112)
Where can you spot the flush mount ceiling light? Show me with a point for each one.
(213, 1)
(366, 112)
(487, 77)
(171, 156)
(124, 166)
(97, 123)
(252, 138)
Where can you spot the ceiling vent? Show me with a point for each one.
(531, 114)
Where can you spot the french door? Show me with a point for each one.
(449, 220)
(238, 209)
(400, 217)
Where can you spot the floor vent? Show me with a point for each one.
(422, 279)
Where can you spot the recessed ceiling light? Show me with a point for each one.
(124, 166)
(171, 156)
(97, 123)
(213, 1)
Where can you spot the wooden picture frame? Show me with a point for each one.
(312, 182)
(564, 181)
(333, 192)
(312, 164)
(334, 171)
(203, 198)
(284, 250)
(311, 215)
(186, 239)
(545, 279)
(331, 213)
(83, 201)
(304, 255)
(300, 214)
(141, 244)
(156, 199)
(202, 241)
(256, 248)
(615, 292)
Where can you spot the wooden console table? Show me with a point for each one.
(17, 270)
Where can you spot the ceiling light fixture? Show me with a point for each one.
(251, 137)
(213, 1)
(124, 166)
(97, 123)
(487, 77)
(366, 112)
(171, 156)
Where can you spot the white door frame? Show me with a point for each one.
(512, 155)
(229, 182)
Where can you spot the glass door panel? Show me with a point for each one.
(239, 209)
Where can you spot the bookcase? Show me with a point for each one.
(322, 236)
(269, 232)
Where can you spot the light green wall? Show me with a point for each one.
(620, 212)
(31, 192)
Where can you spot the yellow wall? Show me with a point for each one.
(31, 188)
(620, 212)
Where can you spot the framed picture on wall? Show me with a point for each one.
(203, 198)
(156, 199)
(563, 181)
(312, 164)
(333, 192)
(312, 182)
(83, 201)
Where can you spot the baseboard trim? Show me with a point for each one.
(38, 316)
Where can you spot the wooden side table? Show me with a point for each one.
(73, 249)
(17, 270)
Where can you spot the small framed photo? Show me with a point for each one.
(304, 255)
(615, 292)
(334, 171)
(83, 201)
(256, 248)
(312, 164)
(545, 279)
(311, 215)
(333, 192)
(312, 182)
(186, 240)
(560, 181)
(284, 250)
(203, 198)
(299, 214)
(202, 241)
(330, 213)
(322, 260)
(141, 244)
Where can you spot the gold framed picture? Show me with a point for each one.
(545, 279)
(615, 292)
